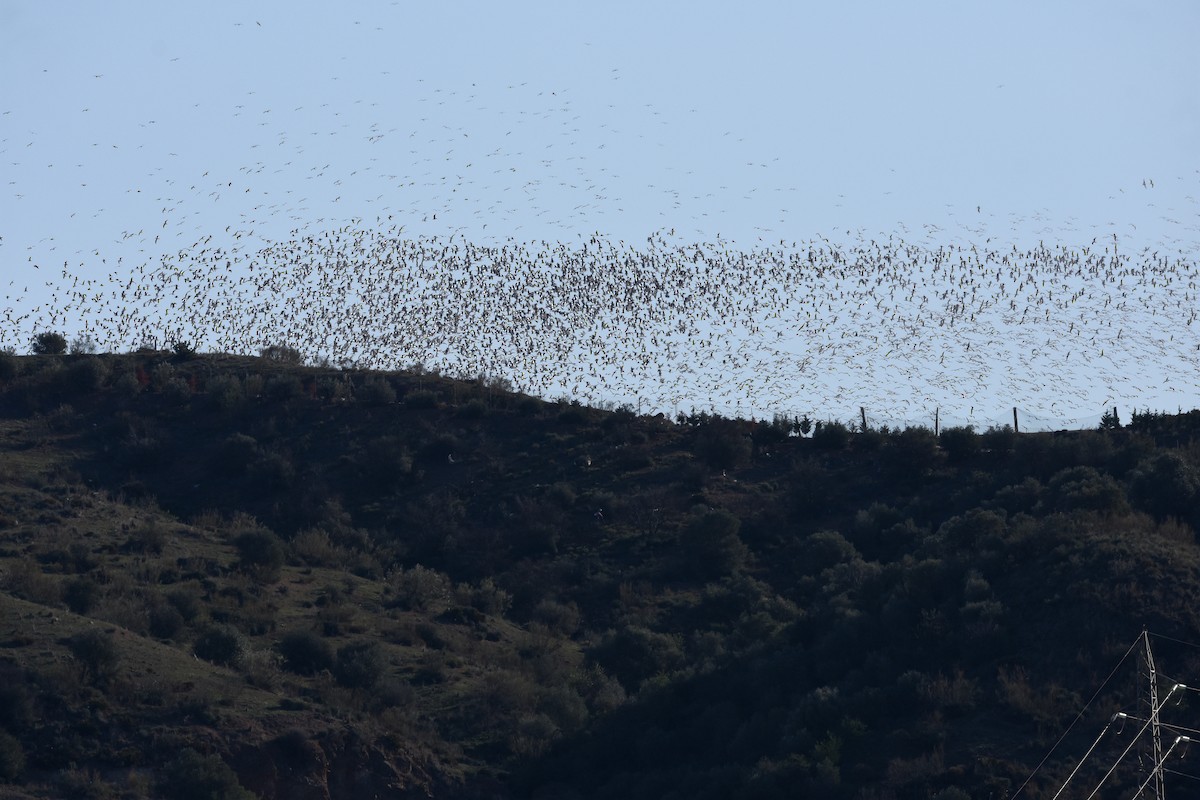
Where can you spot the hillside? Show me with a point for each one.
(225, 574)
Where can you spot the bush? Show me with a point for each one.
(914, 451)
(1086, 488)
(1166, 485)
(359, 665)
(831, 435)
(422, 398)
(191, 776)
(81, 595)
(722, 445)
(96, 653)
(282, 354)
(16, 701)
(86, 375)
(711, 547)
(634, 654)
(165, 621)
(999, 440)
(376, 392)
(48, 343)
(282, 388)
(305, 653)
(83, 345)
(12, 758)
(220, 645)
(261, 553)
(10, 367)
(961, 444)
(185, 603)
(418, 588)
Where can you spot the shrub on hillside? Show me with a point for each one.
(12, 758)
(710, 545)
(191, 776)
(1166, 485)
(261, 553)
(282, 388)
(421, 398)
(359, 665)
(418, 588)
(85, 375)
(1087, 489)
(282, 354)
(376, 392)
(1000, 440)
(81, 595)
(961, 443)
(96, 653)
(831, 435)
(10, 367)
(634, 654)
(48, 343)
(914, 451)
(220, 645)
(721, 444)
(305, 653)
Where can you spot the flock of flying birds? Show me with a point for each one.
(805, 327)
(901, 325)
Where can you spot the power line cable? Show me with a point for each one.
(1078, 717)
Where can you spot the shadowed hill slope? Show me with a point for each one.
(244, 574)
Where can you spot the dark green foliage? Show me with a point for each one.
(219, 644)
(192, 776)
(282, 388)
(359, 665)
(1167, 485)
(12, 758)
(271, 474)
(164, 621)
(183, 350)
(97, 654)
(85, 375)
(825, 549)
(305, 653)
(999, 441)
(376, 392)
(81, 595)
(1085, 488)
(48, 343)
(1110, 421)
(261, 553)
(235, 454)
(961, 444)
(282, 354)
(710, 546)
(634, 654)
(914, 452)
(721, 444)
(831, 435)
(472, 409)
(16, 700)
(10, 366)
(421, 398)
(185, 603)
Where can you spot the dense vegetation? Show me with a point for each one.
(234, 577)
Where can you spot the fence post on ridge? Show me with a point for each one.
(1016, 427)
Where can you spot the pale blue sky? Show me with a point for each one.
(129, 129)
